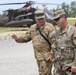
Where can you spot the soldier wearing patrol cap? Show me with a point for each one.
(39, 14)
(42, 49)
(65, 50)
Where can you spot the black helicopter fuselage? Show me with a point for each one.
(19, 17)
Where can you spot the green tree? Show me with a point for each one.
(66, 8)
(73, 8)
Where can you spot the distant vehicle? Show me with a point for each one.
(20, 17)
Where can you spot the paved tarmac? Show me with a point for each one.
(17, 58)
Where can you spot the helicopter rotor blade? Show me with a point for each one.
(31, 2)
(12, 3)
(45, 3)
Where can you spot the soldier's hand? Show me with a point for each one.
(14, 36)
(48, 56)
(49, 59)
(73, 69)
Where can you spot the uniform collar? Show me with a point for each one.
(42, 27)
(65, 30)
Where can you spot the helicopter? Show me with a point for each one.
(21, 18)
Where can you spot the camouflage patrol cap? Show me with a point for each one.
(39, 14)
(58, 13)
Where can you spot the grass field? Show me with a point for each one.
(8, 29)
(71, 21)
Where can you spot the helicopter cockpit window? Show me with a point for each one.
(49, 15)
(6, 13)
(41, 14)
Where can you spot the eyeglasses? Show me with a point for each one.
(57, 19)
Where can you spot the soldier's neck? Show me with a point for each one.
(64, 26)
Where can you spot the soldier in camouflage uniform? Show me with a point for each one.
(40, 45)
(65, 50)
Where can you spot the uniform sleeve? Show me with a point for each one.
(74, 37)
(25, 38)
(74, 42)
(52, 36)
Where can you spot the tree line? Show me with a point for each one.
(70, 9)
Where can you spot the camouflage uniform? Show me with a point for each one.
(40, 45)
(65, 50)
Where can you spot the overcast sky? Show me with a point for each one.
(2, 8)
